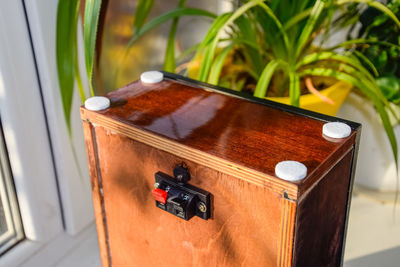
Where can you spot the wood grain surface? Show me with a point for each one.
(243, 231)
(321, 218)
(286, 235)
(197, 156)
(241, 132)
(231, 147)
(97, 188)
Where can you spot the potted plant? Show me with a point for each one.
(270, 49)
(381, 48)
(251, 49)
(264, 55)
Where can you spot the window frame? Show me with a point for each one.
(54, 202)
(72, 170)
(15, 232)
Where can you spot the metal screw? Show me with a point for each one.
(156, 185)
(202, 207)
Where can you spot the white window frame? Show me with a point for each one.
(54, 200)
(14, 231)
(75, 190)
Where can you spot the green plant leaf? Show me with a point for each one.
(210, 36)
(187, 52)
(251, 72)
(371, 83)
(215, 27)
(67, 62)
(143, 9)
(169, 59)
(367, 80)
(362, 41)
(309, 27)
(218, 64)
(185, 11)
(297, 18)
(208, 57)
(388, 129)
(209, 51)
(368, 93)
(67, 18)
(321, 56)
(278, 24)
(366, 61)
(248, 43)
(294, 89)
(251, 51)
(78, 79)
(91, 19)
(390, 87)
(328, 25)
(265, 78)
(374, 4)
(382, 59)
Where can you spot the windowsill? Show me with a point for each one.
(85, 254)
(373, 237)
(373, 232)
(64, 250)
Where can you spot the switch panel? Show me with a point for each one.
(180, 199)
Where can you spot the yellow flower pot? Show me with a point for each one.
(337, 92)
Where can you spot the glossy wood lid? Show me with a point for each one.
(240, 131)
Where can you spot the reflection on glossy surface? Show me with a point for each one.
(237, 130)
(195, 113)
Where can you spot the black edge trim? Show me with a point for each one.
(265, 102)
(350, 192)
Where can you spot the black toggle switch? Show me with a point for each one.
(181, 173)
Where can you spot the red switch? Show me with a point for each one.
(160, 195)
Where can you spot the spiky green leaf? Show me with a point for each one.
(67, 18)
(91, 20)
(218, 64)
(179, 12)
(381, 108)
(169, 58)
(265, 78)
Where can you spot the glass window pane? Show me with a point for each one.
(117, 67)
(10, 222)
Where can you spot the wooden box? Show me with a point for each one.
(231, 145)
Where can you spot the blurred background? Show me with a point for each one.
(115, 70)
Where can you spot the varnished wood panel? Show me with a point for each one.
(231, 146)
(243, 230)
(232, 129)
(98, 201)
(321, 218)
(197, 156)
(288, 211)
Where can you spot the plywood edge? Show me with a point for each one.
(286, 232)
(98, 203)
(241, 172)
